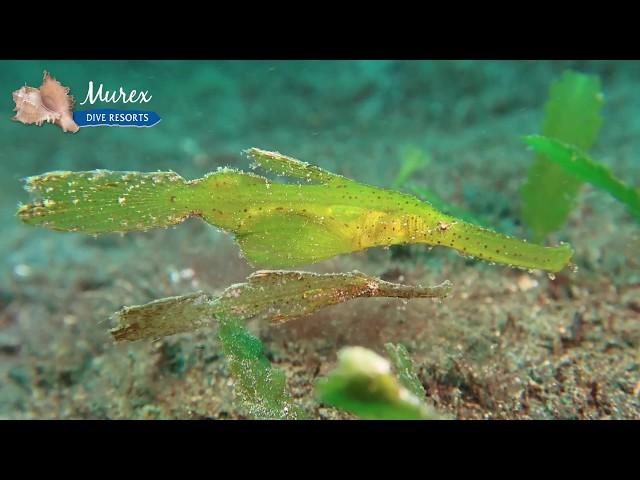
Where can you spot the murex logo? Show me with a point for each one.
(51, 103)
(106, 96)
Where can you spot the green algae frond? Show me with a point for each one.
(577, 163)
(363, 384)
(276, 225)
(260, 389)
(572, 115)
(275, 296)
(403, 366)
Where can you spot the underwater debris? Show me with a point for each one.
(276, 225)
(579, 164)
(364, 385)
(277, 296)
(261, 390)
(50, 103)
(572, 115)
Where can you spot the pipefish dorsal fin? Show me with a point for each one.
(285, 166)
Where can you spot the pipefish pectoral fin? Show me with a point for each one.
(290, 240)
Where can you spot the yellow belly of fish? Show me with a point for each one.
(380, 228)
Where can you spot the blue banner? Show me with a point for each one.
(115, 118)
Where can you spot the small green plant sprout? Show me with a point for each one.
(275, 296)
(572, 115)
(577, 163)
(446, 207)
(276, 225)
(404, 368)
(363, 384)
(414, 159)
(260, 389)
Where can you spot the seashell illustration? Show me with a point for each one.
(30, 108)
(50, 103)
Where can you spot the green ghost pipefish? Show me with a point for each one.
(276, 225)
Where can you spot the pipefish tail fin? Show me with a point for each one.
(163, 317)
(103, 201)
(283, 165)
